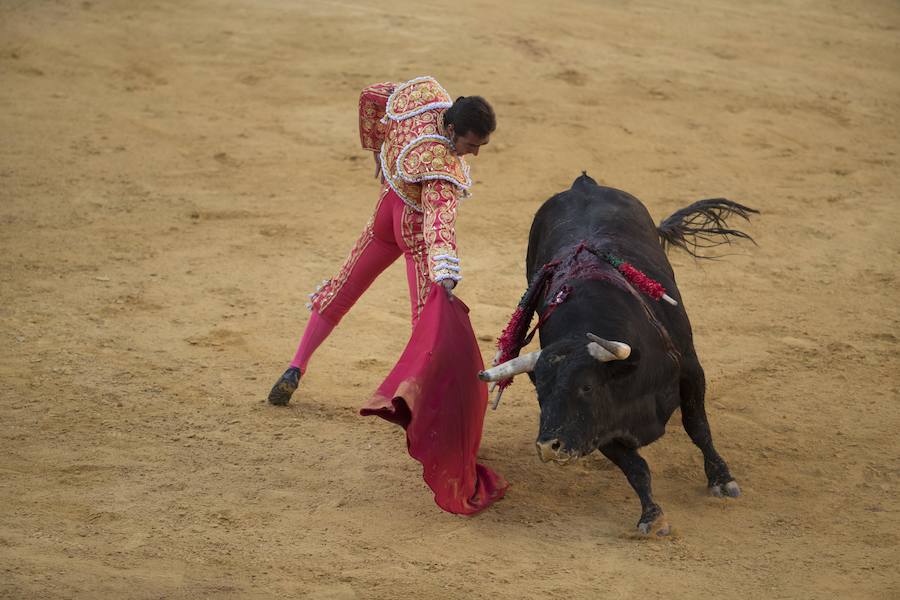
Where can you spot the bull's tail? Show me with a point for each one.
(702, 225)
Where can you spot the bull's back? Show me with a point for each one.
(613, 221)
(590, 212)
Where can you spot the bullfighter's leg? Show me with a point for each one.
(410, 238)
(652, 521)
(693, 417)
(373, 252)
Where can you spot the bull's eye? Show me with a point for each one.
(584, 389)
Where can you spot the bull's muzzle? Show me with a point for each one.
(554, 450)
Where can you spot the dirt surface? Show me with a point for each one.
(176, 176)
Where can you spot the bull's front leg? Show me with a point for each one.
(652, 521)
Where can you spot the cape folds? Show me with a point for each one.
(434, 393)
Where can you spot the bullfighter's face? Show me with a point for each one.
(470, 143)
(574, 394)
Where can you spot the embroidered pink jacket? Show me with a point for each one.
(404, 123)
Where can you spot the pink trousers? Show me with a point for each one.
(394, 229)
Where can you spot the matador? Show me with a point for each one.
(418, 136)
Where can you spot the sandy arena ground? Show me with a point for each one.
(176, 176)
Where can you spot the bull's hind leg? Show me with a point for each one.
(693, 417)
(652, 521)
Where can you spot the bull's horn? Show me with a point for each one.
(520, 364)
(600, 353)
(496, 402)
(618, 349)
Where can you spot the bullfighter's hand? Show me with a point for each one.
(448, 284)
(378, 174)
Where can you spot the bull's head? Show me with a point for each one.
(573, 380)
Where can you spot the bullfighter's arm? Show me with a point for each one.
(372, 106)
(439, 203)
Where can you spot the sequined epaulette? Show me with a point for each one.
(430, 157)
(415, 97)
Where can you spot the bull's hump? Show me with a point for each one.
(584, 181)
(586, 202)
(586, 186)
(589, 210)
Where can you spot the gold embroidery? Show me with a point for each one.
(417, 95)
(372, 105)
(416, 109)
(430, 158)
(323, 297)
(440, 202)
(411, 230)
(398, 135)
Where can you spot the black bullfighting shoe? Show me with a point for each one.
(285, 386)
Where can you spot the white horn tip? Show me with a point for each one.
(496, 401)
(623, 351)
(620, 350)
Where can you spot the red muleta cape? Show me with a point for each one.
(434, 393)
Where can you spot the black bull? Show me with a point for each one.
(590, 399)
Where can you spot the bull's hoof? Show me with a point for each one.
(658, 527)
(285, 387)
(730, 490)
